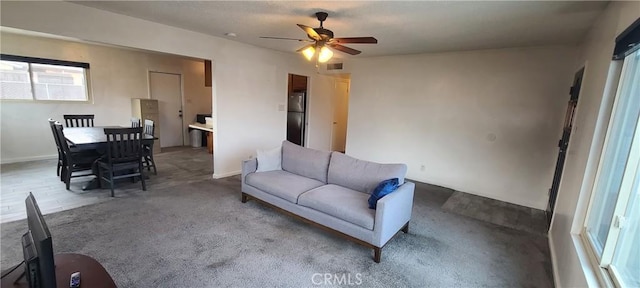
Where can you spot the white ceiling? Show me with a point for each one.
(401, 27)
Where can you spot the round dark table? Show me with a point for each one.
(92, 274)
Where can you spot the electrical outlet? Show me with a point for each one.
(422, 167)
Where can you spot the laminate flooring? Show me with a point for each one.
(176, 166)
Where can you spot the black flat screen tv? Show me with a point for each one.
(45, 277)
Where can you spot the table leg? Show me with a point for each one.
(95, 182)
(210, 142)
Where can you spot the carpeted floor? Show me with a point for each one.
(201, 235)
(497, 212)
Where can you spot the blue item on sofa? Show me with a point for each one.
(384, 188)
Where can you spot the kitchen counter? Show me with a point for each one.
(209, 131)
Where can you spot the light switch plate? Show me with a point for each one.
(280, 107)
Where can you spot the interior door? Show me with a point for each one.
(167, 89)
(563, 143)
(340, 115)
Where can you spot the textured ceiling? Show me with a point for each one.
(400, 27)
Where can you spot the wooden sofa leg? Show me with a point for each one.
(405, 229)
(377, 254)
(244, 198)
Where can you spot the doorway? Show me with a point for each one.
(340, 115)
(167, 89)
(297, 109)
(563, 143)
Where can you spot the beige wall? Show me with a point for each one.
(116, 76)
(482, 122)
(594, 108)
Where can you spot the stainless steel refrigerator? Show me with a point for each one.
(296, 117)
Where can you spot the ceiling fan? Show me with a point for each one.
(322, 38)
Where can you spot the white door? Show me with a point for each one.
(167, 89)
(340, 115)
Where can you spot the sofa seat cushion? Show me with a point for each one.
(340, 202)
(361, 175)
(282, 184)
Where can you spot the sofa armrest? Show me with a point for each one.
(392, 213)
(249, 166)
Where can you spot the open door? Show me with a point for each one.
(340, 115)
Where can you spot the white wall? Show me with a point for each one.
(248, 82)
(116, 76)
(577, 180)
(482, 122)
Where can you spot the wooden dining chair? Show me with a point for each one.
(135, 122)
(124, 154)
(74, 160)
(78, 120)
(58, 147)
(147, 156)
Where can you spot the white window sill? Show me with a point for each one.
(593, 273)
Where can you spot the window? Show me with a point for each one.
(27, 78)
(613, 223)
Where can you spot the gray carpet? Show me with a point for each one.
(201, 235)
(497, 212)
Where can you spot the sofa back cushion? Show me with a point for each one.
(305, 161)
(360, 175)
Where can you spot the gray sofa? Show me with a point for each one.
(330, 190)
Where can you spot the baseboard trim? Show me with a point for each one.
(540, 205)
(28, 159)
(554, 267)
(228, 174)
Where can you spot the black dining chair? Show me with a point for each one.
(135, 122)
(58, 147)
(124, 154)
(78, 120)
(74, 160)
(147, 151)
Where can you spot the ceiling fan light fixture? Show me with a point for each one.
(309, 52)
(325, 54)
(321, 37)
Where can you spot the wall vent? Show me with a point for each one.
(334, 66)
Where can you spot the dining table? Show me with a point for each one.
(93, 138)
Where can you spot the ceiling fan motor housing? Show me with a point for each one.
(321, 16)
(326, 34)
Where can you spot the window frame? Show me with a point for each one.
(35, 60)
(607, 274)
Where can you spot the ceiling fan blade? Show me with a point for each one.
(284, 38)
(345, 49)
(360, 40)
(305, 47)
(312, 33)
